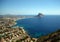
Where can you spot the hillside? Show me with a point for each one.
(53, 37)
(13, 34)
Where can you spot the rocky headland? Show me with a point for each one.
(39, 15)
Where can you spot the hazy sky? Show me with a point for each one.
(30, 7)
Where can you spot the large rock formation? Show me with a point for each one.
(39, 15)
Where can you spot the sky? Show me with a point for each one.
(30, 7)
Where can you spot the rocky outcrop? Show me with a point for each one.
(39, 15)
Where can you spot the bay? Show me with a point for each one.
(39, 26)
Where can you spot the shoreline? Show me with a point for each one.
(9, 34)
(14, 33)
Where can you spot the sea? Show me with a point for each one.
(40, 26)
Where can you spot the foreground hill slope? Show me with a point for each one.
(53, 37)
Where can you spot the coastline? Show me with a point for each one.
(14, 34)
(10, 34)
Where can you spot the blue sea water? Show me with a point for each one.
(39, 26)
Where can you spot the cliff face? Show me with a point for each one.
(53, 37)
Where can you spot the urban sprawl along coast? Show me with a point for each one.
(13, 34)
